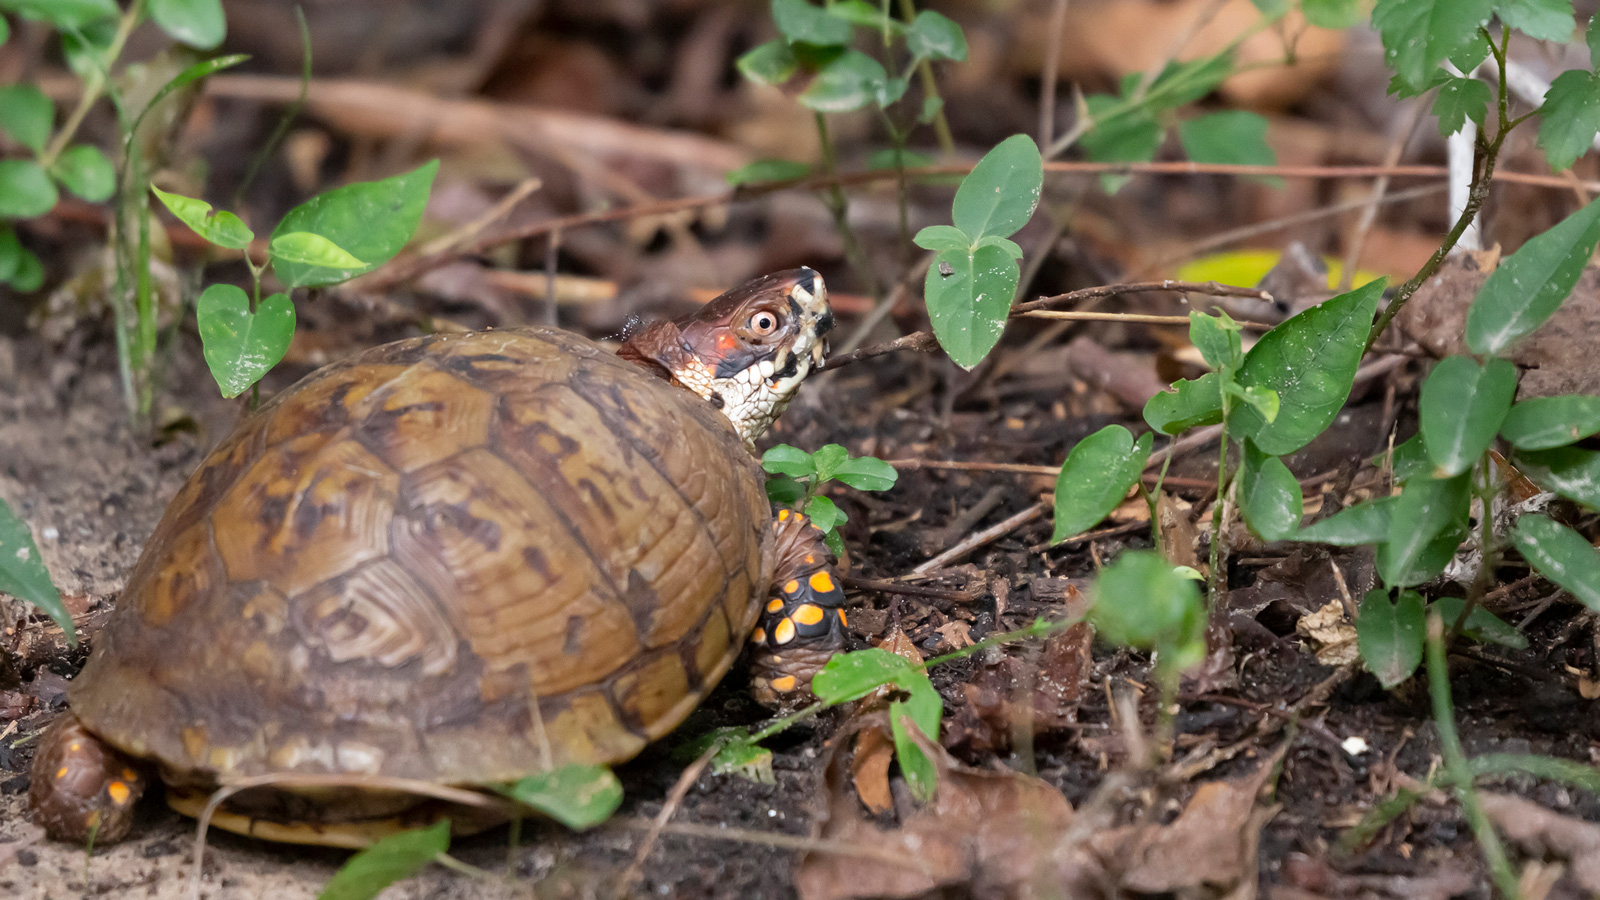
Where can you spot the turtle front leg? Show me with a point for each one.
(82, 787)
(802, 624)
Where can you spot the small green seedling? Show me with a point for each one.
(331, 238)
(23, 574)
(394, 858)
(797, 476)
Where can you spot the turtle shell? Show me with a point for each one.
(461, 558)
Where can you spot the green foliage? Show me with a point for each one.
(309, 249)
(1481, 625)
(1419, 35)
(63, 14)
(85, 171)
(1462, 407)
(1569, 471)
(1531, 284)
(370, 220)
(1543, 20)
(1141, 601)
(26, 115)
(1561, 555)
(1458, 100)
(1426, 524)
(1096, 475)
(797, 476)
(23, 575)
(1310, 362)
(577, 795)
(1235, 137)
(1269, 495)
(1334, 14)
(934, 36)
(198, 23)
(1193, 402)
(1546, 422)
(1389, 635)
(970, 286)
(25, 190)
(222, 228)
(394, 858)
(851, 676)
(1363, 523)
(242, 344)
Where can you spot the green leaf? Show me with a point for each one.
(1095, 477)
(25, 190)
(1419, 34)
(933, 36)
(10, 252)
(771, 63)
(825, 514)
(29, 276)
(860, 12)
(747, 760)
(1544, 20)
(943, 237)
(198, 23)
(847, 83)
(64, 14)
(895, 158)
(1569, 117)
(1458, 100)
(828, 458)
(923, 709)
(1570, 472)
(1141, 601)
(1482, 626)
(85, 171)
(1183, 83)
(1310, 360)
(785, 491)
(241, 346)
(1011, 247)
(1364, 523)
(1546, 422)
(1531, 284)
(768, 170)
(1461, 409)
(867, 473)
(1234, 137)
(222, 228)
(1591, 36)
(1390, 635)
(1194, 403)
(371, 220)
(1133, 136)
(85, 49)
(1427, 512)
(1272, 9)
(1217, 338)
(802, 23)
(5, 31)
(999, 195)
(1410, 459)
(1334, 14)
(26, 114)
(577, 795)
(851, 676)
(1269, 496)
(786, 460)
(23, 575)
(312, 250)
(1561, 555)
(969, 305)
(1262, 400)
(394, 858)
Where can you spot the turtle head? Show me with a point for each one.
(747, 351)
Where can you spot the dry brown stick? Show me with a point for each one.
(910, 590)
(1069, 315)
(992, 533)
(1380, 186)
(675, 797)
(920, 341)
(1050, 74)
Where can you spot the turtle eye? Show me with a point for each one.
(762, 323)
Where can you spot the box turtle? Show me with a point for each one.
(456, 560)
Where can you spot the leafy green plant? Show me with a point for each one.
(331, 238)
(23, 574)
(391, 859)
(93, 35)
(797, 476)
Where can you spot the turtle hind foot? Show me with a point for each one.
(82, 789)
(802, 625)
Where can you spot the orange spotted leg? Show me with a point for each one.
(81, 787)
(802, 625)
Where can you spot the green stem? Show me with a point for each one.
(930, 87)
(839, 206)
(1214, 576)
(1486, 548)
(1477, 192)
(93, 85)
(1456, 765)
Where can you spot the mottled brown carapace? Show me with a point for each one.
(457, 559)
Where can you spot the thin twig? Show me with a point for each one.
(1139, 318)
(674, 799)
(1051, 73)
(992, 533)
(1369, 212)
